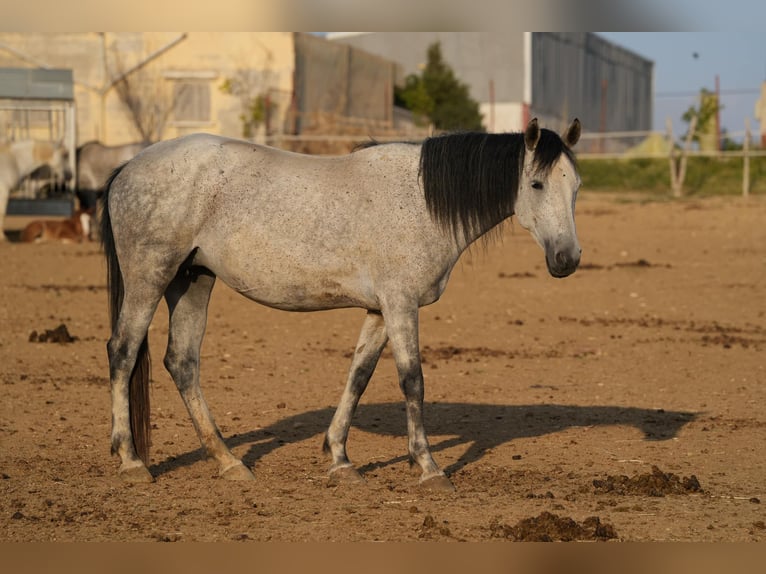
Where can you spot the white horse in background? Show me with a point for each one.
(96, 162)
(20, 158)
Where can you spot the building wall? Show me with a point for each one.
(183, 78)
(341, 84)
(491, 63)
(553, 76)
(580, 74)
(504, 116)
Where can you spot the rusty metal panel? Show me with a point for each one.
(580, 74)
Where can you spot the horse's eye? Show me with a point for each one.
(537, 184)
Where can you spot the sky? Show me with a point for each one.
(737, 58)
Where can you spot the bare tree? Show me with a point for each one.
(147, 96)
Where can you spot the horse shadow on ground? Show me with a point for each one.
(480, 427)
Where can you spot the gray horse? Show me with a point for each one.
(96, 162)
(380, 228)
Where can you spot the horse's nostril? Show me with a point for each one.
(561, 258)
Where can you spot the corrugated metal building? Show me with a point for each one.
(554, 76)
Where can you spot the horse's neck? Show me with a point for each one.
(486, 233)
(23, 151)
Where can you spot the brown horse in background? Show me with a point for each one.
(76, 229)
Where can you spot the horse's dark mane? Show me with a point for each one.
(471, 179)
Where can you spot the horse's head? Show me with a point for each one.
(547, 192)
(82, 219)
(56, 156)
(59, 162)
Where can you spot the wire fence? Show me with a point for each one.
(677, 151)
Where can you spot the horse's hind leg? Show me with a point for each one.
(372, 339)
(127, 341)
(188, 296)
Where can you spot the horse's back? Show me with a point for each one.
(207, 166)
(233, 187)
(96, 161)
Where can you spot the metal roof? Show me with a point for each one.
(36, 84)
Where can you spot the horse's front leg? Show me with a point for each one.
(372, 339)
(402, 328)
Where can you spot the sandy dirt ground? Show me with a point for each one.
(623, 403)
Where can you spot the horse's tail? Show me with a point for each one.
(139, 378)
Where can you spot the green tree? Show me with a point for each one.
(706, 112)
(254, 103)
(439, 97)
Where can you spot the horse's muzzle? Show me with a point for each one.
(562, 263)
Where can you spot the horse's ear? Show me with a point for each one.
(532, 134)
(572, 135)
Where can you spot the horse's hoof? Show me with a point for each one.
(237, 472)
(438, 483)
(345, 475)
(136, 474)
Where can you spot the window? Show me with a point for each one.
(191, 100)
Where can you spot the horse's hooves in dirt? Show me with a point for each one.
(345, 475)
(438, 483)
(237, 472)
(136, 474)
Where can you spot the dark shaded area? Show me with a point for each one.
(479, 427)
(638, 263)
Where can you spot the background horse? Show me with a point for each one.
(380, 229)
(76, 229)
(19, 159)
(95, 163)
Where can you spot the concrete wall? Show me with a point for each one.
(554, 76)
(205, 59)
(480, 59)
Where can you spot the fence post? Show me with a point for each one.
(685, 154)
(671, 158)
(678, 173)
(746, 160)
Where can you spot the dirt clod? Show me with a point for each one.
(432, 529)
(58, 335)
(549, 527)
(655, 483)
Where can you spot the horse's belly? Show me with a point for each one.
(305, 296)
(296, 288)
